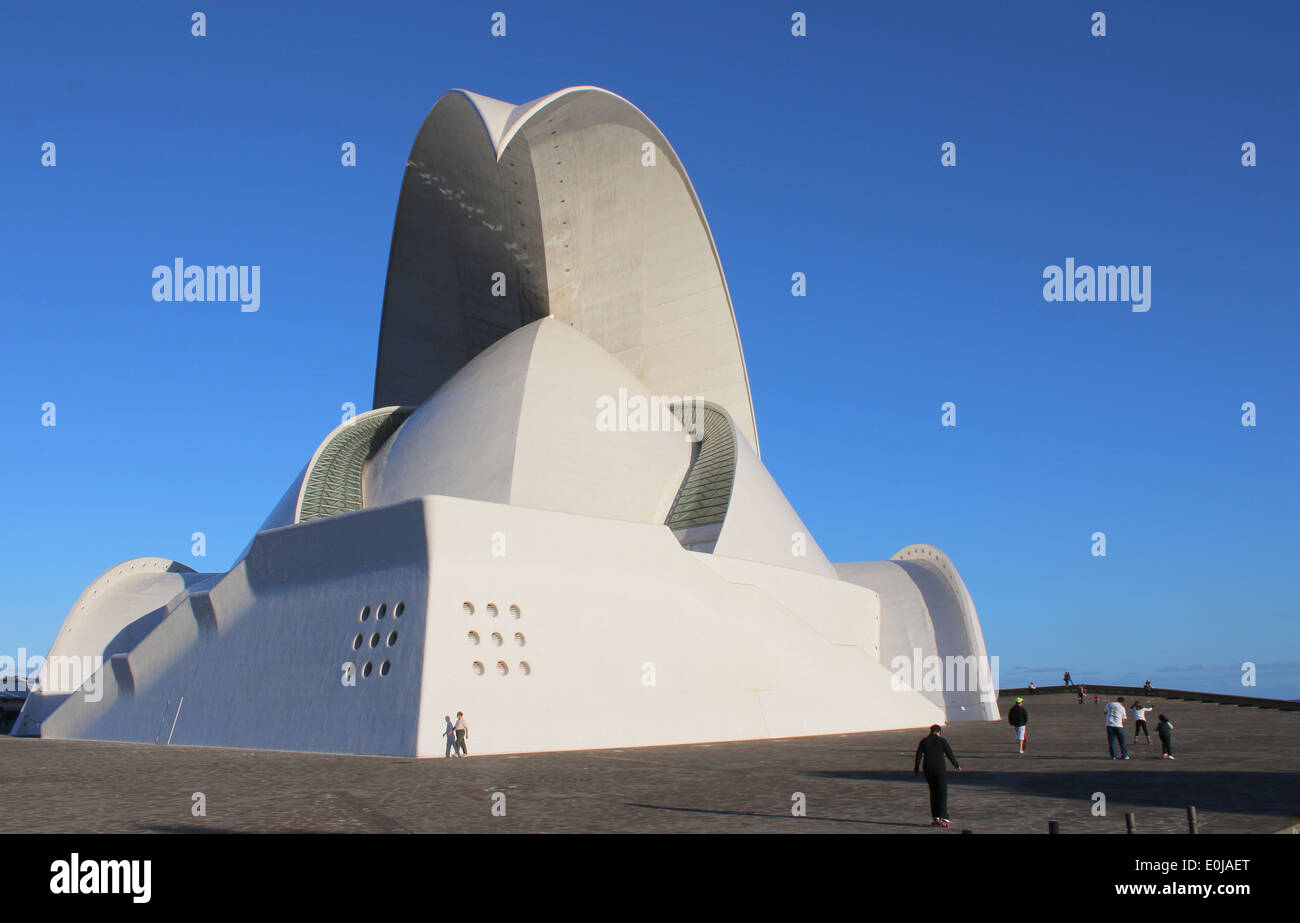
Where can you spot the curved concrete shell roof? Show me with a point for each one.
(556, 196)
(518, 425)
(927, 607)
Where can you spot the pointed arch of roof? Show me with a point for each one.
(445, 191)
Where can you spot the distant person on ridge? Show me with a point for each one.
(1068, 684)
(1115, 715)
(1146, 688)
(1019, 718)
(1082, 693)
(1165, 731)
(931, 752)
(1140, 721)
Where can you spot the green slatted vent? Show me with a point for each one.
(334, 482)
(701, 505)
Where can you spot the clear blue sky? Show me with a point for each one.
(817, 154)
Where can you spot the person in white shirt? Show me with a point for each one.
(1140, 721)
(1115, 715)
(462, 733)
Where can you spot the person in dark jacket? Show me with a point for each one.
(930, 754)
(1165, 731)
(1019, 718)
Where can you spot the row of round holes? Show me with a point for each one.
(374, 640)
(474, 638)
(370, 667)
(503, 668)
(382, 611)
(492, 610)
(108, 580)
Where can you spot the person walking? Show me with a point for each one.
(1068, 684)
(449, 732)
(1140, 721)
(1082, 693)
(930, 754)
(1019, 718)
(1115, 715)
(462, 733)
(1165, 731)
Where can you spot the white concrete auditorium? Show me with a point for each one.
(555, 519)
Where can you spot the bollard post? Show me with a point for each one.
(1191, 819)
(1130, 822)
(1053, 826)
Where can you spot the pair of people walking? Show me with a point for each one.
(456, 733)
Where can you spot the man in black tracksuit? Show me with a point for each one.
(930, 753)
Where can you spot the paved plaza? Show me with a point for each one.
(1237, 765)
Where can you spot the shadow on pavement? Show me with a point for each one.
(1230, 791)
(834, 820)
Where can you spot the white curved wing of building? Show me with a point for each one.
(557, 196)
(555, 519)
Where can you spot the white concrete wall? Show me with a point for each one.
(905, 621)
(761, 524)
(599, 600)
(738, 650)
(257, 661)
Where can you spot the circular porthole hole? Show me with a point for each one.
(367, 669)
(478, 668)
(503, 668)
(469, 608)
(381, 611)
(519, 638)
(392, 638)
(492, 610)
(365, 613)
(374, 640)
(525, 668)
(514, 611)
(398, 610)
(385, 667)
(358, 641)
(496, 638)
(473, 637)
